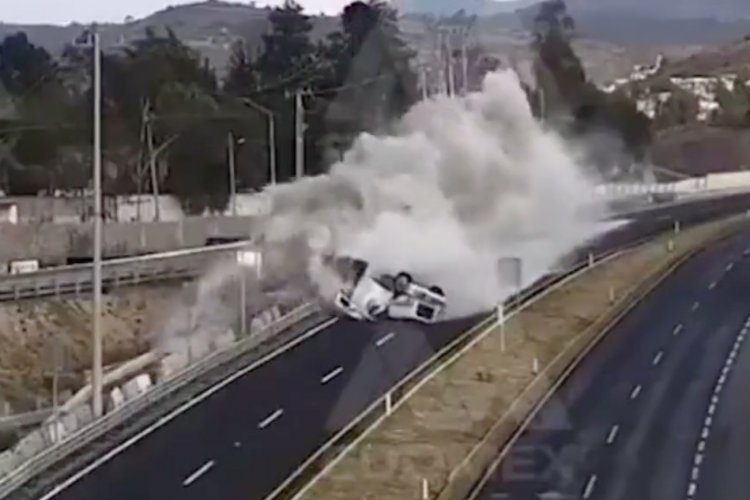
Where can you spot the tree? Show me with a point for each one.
(23, 65)
(372, 73)
(567, 93)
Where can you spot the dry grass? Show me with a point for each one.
(27, 330)
(438, 427)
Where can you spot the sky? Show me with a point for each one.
(85, 11)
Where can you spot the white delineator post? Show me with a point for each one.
(501, 322)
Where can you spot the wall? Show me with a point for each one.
(54, 243)
(44, 209)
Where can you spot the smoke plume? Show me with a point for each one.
(460, 183)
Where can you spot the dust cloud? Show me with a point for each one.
(460, 183)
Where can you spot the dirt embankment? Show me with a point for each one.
(35, 333)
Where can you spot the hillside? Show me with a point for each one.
(210, 27)
(669, 9)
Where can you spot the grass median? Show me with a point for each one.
(440, 440)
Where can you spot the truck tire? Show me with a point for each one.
(401, 283)
(437, 290)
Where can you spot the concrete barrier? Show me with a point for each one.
(30, 445)
(7, 462)
(84, 414)
(116, 398)
(137, 385)
(200, 347)
(223, 340)
(256, 324)
(172, 364)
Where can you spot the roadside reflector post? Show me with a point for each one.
(676, 226)
(612, 296)
(670, 245)
(388, 404)
(535, 365)
(425, 489)
(591, 259)
(501, 322)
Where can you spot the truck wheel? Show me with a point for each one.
(437, 290)
(402, 282)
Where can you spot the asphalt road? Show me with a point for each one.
(248, 437)
(659, 409)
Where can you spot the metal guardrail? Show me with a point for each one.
(96, 429)
(78, 278)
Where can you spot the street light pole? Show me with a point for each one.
(96, 371)
(232, 172)
(271, 136)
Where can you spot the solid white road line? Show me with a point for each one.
(613, 434)
(385, 340)
(589, 486)
(195, 475)
(270, 419)
(636, 391)
(658, 358)
(677, 329)
(331, 375)
(182, 409)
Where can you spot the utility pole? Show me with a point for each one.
(232, 172)
(451, 68)
(152, 162)
(299, 134)
(271, 136)
(423, 82)
(96, 372)
(464, 65)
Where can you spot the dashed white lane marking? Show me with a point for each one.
(729, 266)
(699, 456)
(198, 473)
(691, 489)
(331, 375)
(696, 305)
(746, 252)
(635, 392)
(677, 329)
(712, 285)
(613, 434)
(589, 486)
(657, 359)
(270, 419)
(385, 340)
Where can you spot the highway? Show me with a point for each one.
(247, 437)
(659, 409)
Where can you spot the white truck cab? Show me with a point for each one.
(368, 297)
